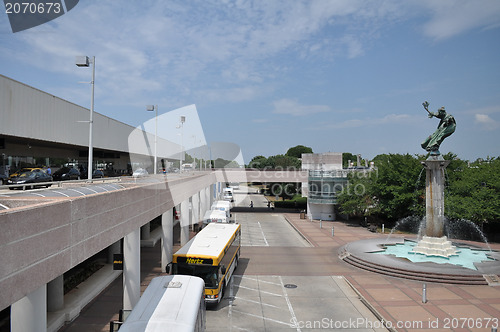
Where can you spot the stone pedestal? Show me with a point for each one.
(434, 195)
(434, 243)
(435, 246)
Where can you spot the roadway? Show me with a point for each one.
(276, 286)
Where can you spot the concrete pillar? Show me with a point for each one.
(206, 195)
(434, 195)
(146, 231)
(29, 314)
(203, 202)
(195, 210)
(211, 195)
(184, 222)
(131, 269)
(167, 238)
(55, 294)
(115, 248)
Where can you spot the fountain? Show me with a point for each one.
(433, 257)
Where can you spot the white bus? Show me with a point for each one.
(222, 206)
(169, 303)
(215, 216)
(212, 255)
(227, 194)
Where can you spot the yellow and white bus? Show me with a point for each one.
(211, 255)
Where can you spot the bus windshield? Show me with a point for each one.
(209, 274)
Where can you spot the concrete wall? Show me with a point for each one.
(322, 161)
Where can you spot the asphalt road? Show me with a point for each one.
(282, 283)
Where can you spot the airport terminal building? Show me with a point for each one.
(40, 129)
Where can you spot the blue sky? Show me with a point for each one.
(339, 76)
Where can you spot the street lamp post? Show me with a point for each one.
(155, 108)
(84, 61)
(183, 119)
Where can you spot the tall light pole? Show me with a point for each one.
(183, 119)
(84, 61)
(155, 108)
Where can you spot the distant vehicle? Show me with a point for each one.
(188, 167)
(223, 206)
(3, 178)
(235, 185)
(25, 169)
(30, 178)
(140, 172)
(218, 216)
(97, 174)
(214, 263)
(66, 173)
(169, 303)
(227, 194)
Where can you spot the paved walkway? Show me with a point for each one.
(399, 301)
(396, 301)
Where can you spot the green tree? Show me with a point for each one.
(298, 150)
(222, 163)
(358, 198)
(346, 156)
(283, 162)
(473, 191)
(392, 191)
(258, 162)
(398, 185)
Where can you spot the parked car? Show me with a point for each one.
(25, 169)
(140, 172)
(97, 174)
(66, 173)
(3, 179)
(30, 177)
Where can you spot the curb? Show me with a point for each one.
(298, 231)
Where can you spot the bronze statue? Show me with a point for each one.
(445, 128)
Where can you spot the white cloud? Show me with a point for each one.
(232, 95)
(292, 107)
(486, 122)
(370, 122)
(452, 17)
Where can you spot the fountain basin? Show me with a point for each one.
(365, 254)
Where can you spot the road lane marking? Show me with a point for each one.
(259, 290)
(290, 308)
(264, 318)
(256, 302)
(262, 231)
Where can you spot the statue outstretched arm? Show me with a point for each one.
(426, 106)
